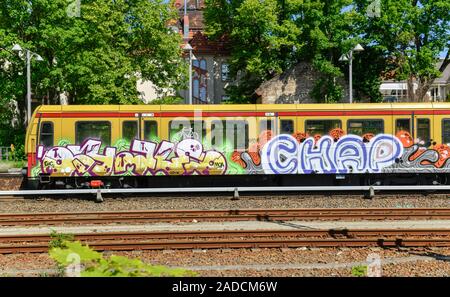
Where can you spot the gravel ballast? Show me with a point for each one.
(223, 202)
(339, 262)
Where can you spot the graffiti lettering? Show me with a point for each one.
(143, 158)
(350, 154)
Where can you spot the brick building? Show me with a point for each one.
(210, 68)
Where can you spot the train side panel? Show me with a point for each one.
(144, 141)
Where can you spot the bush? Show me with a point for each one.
(58, 239)
(15, 139)
(94, 264)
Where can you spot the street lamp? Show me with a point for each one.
(189, 48)
(349, 57)
(29, 56)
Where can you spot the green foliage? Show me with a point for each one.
(168, 101)
(94, 264)
(58, 240)
(267, 37)
(327, 31)
(13, 136)
(360, 270)
(263, 36)
(368, 67)
(93, 58)
(410, 35)
(326, 90)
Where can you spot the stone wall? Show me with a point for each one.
(292, 86)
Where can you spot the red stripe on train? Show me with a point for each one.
(88, 115)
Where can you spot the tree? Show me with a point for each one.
(368, 67)
(263, 36)
(410, 34)
(327, 30)
(92, 58)
(269, 36)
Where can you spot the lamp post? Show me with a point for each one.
(189, 49)
(349, 57)
(29, 56)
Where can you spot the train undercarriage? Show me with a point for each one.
(47, 182)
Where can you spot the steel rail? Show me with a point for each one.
(239, 244)
(227, 190)
(241, 239)
(223, 215)
(243, 211)
(333, 233)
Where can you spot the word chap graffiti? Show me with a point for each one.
(350, 154)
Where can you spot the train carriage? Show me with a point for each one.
(218, 145)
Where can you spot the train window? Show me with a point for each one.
(230, 134)
(321, 127)
(130, 130)
(266, 125)
(179, 130)
(402, 125)
(287, 127)
(423, 130)
(446, 131)
(150, 130)
(46, 134)
(361, 127)
(100, 130)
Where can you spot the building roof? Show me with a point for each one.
(204, 46)
(445, 77)
(197, 38)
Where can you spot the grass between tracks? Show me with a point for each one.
(76, 259)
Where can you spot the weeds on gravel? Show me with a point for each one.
(58, 239)
(360, 270)
(75, 259)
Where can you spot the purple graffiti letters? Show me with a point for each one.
(144, 158)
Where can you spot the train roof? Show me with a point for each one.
(243, 107)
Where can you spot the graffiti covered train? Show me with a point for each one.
(288, 144)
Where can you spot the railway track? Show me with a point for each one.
(153, 216)
(125, 241)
